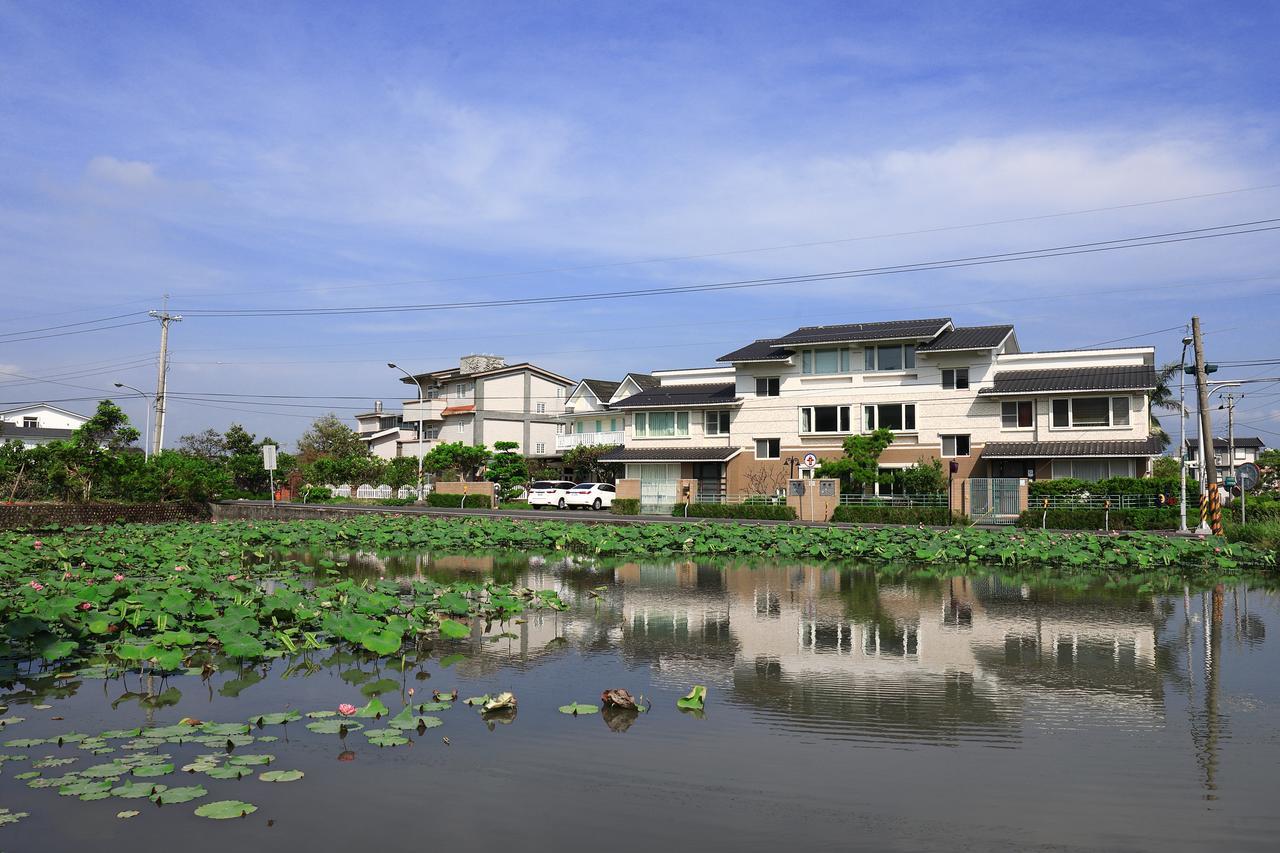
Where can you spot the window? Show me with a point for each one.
(955, 445)
(824, 419)
(1016, 414)
(767, 386)
(605, 487)
(716, 423)
(768, 448)
(29, 422)
(599, 426)
(661, 424)
(613, 424)
(1084, 412)
(1092, 469)
(890, 357)
(542, 408)
(431, 432)
(955, 378)
(825, 360)
(1241, 455)
(540, 448)
(559, 429)
(894, 416)
(462, 428)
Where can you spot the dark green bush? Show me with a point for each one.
(1113, 486)
(475, 501)
(743, 510)
(879, 514)
(1264, 534)
(1163, 518)
(625, 506)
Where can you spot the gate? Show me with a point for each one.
(658, 484)
(994, 500)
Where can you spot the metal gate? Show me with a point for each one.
(994, 500)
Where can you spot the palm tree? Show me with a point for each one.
(1162, 398)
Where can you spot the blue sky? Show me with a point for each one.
(320, 155)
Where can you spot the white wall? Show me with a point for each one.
(47, 417)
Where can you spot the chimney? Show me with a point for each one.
(377, 407)
(480, 362)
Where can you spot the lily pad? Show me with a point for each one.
(385, 737)
(434, 706)
(125, 815)
(275, 719)
(224, 729)
(105, 771)
(225, 809)
(29, 774)
(333, 727)
(281, 775)
(375, 708)
(147, 771)
(248, 760)
(694, 700)
(228, 772)
(578, 708)
(85, 786)
(7, 817)
(321, 715)
(137, 790)
(173, 796)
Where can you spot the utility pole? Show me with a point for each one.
(162, 374)
(1208, 468)
(1230, 406)
(1182, 438)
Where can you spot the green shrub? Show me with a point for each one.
(1264, 534)
(625, 506)
(1163, 518)
(743, 510)
(883, 514)
(475, 501)
(1113, 486)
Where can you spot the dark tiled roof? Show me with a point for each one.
(602, 388)
(1126, 378)
(757, 351)
(671, 454)
(12, 432)
(1220, 443)
(644, 380)
(865, 331)
(967, 338)
(1050, 449)
(681, 395)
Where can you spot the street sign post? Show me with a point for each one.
(808, 463)
(1249, 476)
(269, 463)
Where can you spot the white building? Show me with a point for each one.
(38, 423)
(1244, 448)
(589, 418)
(967, 394)
(480, 402)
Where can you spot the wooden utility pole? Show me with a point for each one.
(1209, 470)
(162, 374)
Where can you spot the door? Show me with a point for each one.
(710, 477)
(994, 500)
(658, 482)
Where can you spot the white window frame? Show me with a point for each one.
(721, 425)
(766, 442)
(1112, 402)
(955, 446)
(809, 361)
(540, 447)
(955, 376)
(542, 408)
(808, 419)
(1017, 406)
(872, 424)
(30, 422)
(642, 419)
(1064, 468)
(906, 357)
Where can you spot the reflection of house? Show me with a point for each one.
(38, 423)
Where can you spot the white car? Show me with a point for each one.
(594, 495)
(549, 493)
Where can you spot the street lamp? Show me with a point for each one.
(146, 442)
(421, 413)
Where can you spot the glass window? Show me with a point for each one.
(613, 424)
(716, 423)
(682, 423)
(1090, 412)
(642, 424)
(894, 416)
(767, 386)
(955, 445)
(869, 358)
(908, 355)
(1119, 411)
(806, 361)
(1016, 414)
(542, 408)
(1062, 413)
(768, 448)
(955, 379)
(599, 426)
(889, 358)
(826, 360)
(824, 419)
(29, 422)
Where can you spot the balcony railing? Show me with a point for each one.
(569, 441)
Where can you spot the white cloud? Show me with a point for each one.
(128, 173)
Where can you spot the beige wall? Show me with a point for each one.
(479, 487)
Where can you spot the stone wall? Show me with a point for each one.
(43, 515)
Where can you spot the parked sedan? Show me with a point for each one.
(595, 495)
(549, 493)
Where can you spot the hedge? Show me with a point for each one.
(871, 514)
(1112, 486)
(1165, 518)
(625, 506)
(476, 501)
(743, 510)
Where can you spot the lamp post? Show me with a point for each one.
(415, 381)
(146, 443)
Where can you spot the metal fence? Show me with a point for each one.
(930, 499)
(1090, 501)
(713, 498)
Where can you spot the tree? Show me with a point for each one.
(1162, 398)
(96, 451)
(1269, 469)
(507, 469)
(208, 444)
(583, 464)
(329, 436)
(176, 476)
(1165, 467)
(860, 465)
(456, 459)
(923, 478)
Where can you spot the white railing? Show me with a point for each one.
(1091, 501)
(578, 439)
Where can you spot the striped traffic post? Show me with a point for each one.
(1204, 509)
(1215, 506)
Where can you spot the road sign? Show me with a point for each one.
(1228, 481)
(268, 457)
(1248, 475)
(809, 462)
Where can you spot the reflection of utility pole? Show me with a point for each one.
(162, 374)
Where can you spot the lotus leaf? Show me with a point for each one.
(578, 708)
(245, 760)
(225, 809)
(275, 719)
(694, 700)
(148, 771)
(385, 737)
(374, 708)
(230, 772)
(125, 815)
(501, 702)
(173, 796)
(333, 727)
(7, 816)
(137, 790)
(281, 775)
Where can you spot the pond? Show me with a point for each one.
(845, 709)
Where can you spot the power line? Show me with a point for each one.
(71, 325)
(75, 332)
(1188, 235)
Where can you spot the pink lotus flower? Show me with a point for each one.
(347, 710)
(37, 544)
(66, 576)
(410, 691)
(179, 568)
(36, 585)
(85, 606)
(232, 577)
(118, 578)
